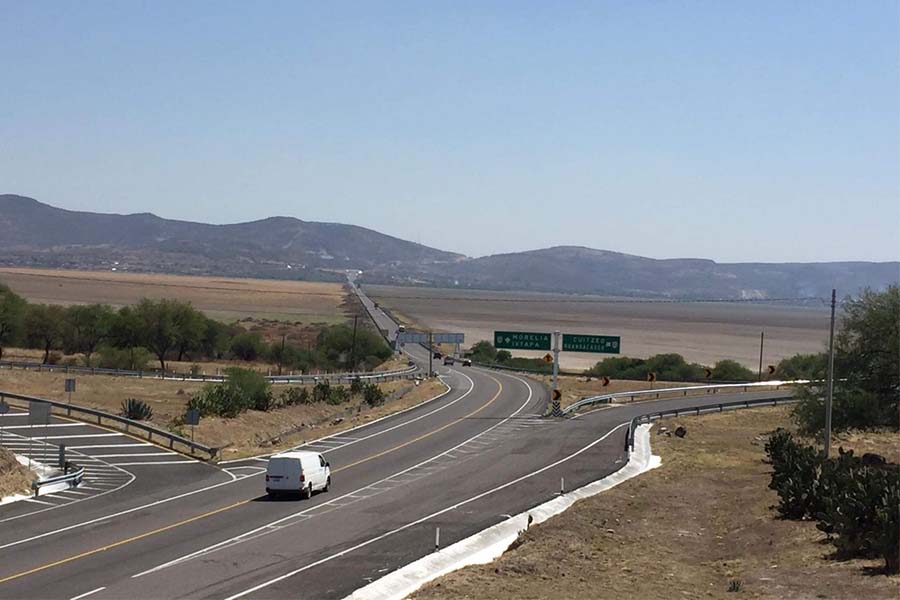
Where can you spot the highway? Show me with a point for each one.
(461, 462)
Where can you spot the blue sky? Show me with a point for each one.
(748, 131)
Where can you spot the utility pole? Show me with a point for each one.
(830, 395)
(555, 409)
(762, 336)
(430, 353)
(353, 346)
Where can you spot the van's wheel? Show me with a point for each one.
(327, 484)
(307, 493)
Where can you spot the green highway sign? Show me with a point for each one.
(521, 340)
(608, 344)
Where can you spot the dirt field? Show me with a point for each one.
(221, 298)
(685, 530)
(14, 478)
(576, 388)
(250, 433)
(702, 333)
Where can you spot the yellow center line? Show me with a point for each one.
(123, 542)
(242, 502)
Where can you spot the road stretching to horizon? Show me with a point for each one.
(462, 462)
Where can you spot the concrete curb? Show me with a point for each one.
(485, 546)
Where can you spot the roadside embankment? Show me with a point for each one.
(14, 477)
(699, 524)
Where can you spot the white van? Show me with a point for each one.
(301, 471)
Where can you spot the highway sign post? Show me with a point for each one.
(192, 418)
(38, 414)
(70, 387)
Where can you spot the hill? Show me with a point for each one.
(33, 234)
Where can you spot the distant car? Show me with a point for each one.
(401, 329)
(448, 360)
(467, 362)
(300, 472)
(438, 355)
(410, 363)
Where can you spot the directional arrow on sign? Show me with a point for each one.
(605, 381)
(771, 369)
(556, 395)
(651, 376)
(708, 372)
(548, 358)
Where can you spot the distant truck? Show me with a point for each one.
(448, 360)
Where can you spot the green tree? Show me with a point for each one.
(866, 367)
(12, 317)
(190, 328)
(731, 370)
(803, 366)
(86, 327)
(44, 326)
(248, 346)
(484, 352)
(503, 356)
(127, 332)
(159, 330)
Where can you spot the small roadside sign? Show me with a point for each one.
(4, 407)
(605, 381)
(708, 372)
(70, 385)
(651, 376)
(771, 369)
(556, 395)
(192, 417)
(548, 358)
(38, 413)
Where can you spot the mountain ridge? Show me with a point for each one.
(33, 233)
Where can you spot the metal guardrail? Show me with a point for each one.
(129, 425)
(74, 477)
(709, 389)
(275, 379)
(698, 410)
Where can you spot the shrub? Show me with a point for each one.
(855, 504)
(242, 390)
(338, 395)
(731, 370)
(373, 395)
(294, 396)
(130, 359)
(356, 387)
(248, 346)
(137, 410)
(321, 391)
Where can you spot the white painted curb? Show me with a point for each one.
(485, 546)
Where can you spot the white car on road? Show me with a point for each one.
(300, 472)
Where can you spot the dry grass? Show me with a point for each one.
(684, 530)
(219, 297)
(14, 478)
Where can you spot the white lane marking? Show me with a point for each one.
(108, 446)
(75, 435)
(157, 462)
(135, 454)
(39, 427)
(86, 594)
(38, 502)
(378, 538)
(304, 512)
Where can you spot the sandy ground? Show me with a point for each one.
(219, 297)
(703, 332)
(684, 530)
(14, 478)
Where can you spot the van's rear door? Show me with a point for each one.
(284, 473)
